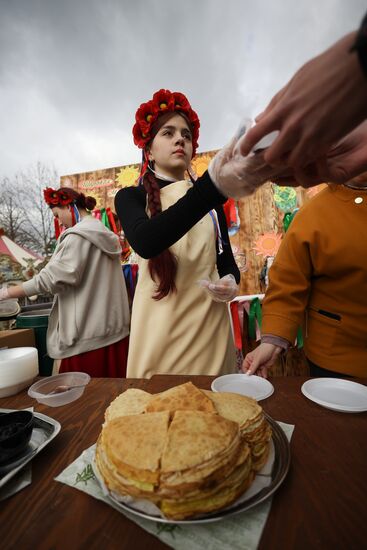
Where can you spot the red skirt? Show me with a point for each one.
(107, 362)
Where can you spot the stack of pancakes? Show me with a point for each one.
(188, 451)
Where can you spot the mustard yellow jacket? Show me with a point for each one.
(319, 281)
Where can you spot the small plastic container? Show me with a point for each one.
(60, 389)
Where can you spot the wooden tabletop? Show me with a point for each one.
(321, 504)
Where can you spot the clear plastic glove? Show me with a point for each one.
(4, 293)
(238, 176)
(260, 359)
(223, 290)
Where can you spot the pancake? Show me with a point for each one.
(134, 444)
(194, 438)
(235, 407)
(130, 402)
(184, 397)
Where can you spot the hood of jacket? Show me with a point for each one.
(95, 232)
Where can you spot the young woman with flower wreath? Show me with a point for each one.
(89, 323)
(178, 229)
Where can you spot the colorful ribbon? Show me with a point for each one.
(288, 218)
(57, 228)
(104, 218)
(254, 315)
(237, 336)
(111, 220)
(299, 338)
(230, 213)
(130, 272)
(218, 235)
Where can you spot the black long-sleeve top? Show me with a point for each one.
(150, 236)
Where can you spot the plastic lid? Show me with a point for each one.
(9, 308)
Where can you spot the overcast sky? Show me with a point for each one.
(73, 72)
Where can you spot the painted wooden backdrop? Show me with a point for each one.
(256, 235)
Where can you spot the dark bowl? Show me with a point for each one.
(15, 433)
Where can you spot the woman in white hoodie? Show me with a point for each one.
(89, 322)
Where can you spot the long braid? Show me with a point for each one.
(162, 268)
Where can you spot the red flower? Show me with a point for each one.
(163, 99)
(180, 102)
(64, 199)
(51, 196)
(146, 113)
(55, 197)
(139, 139)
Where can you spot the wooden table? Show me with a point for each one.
(322, 503)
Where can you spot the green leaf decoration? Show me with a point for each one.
(167, 528)
(86, 475)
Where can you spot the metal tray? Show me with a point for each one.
(45, 429)
(282, 458)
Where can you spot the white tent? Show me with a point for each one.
(16, 252)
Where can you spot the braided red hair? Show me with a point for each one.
(162, 268)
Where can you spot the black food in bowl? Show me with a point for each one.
(15, 433)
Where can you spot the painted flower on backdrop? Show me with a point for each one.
(127, 177)
(200, 164)
(285, 198)
(267, 244)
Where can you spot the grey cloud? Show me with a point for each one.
(72, 73)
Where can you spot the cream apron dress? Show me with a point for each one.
(186, 332)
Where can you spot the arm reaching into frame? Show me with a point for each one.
(343, 163)
(322, 103)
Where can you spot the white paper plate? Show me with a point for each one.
(251, 386)
(336, 394)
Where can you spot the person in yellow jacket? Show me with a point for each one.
(319, 281)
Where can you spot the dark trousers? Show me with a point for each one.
(317, 372)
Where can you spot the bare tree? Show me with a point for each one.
(24, 215)
(11, 215)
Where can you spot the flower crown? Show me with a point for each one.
(55, 197)
(162, 102)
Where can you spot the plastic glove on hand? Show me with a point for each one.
(4, 294)
(223, 290)
(238, 176)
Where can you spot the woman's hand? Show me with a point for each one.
(11, 292)
(260, 359)
(223, 290)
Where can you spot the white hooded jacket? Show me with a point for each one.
(90, 308)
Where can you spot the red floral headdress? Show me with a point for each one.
(162, 102)
(55, 197)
